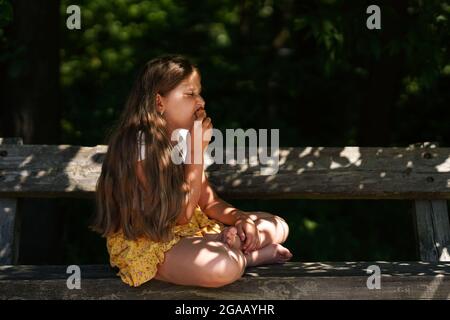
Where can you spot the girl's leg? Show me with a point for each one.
(227, 236)
(210, 262)
(270, 254)
(199, 261)
(272, 228)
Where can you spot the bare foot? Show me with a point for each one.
(270, 254)
(228, 236)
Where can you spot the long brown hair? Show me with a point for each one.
(122, 203)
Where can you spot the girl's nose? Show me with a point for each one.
(201, 101)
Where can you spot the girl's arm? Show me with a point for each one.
(193, 169)
(216, 208)
(193, 174)
(208, 200)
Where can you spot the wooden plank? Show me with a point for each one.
(433, 230)
(304, 173)
(9, 220)
(432, 224)
(293, 280)
(9, 231)
(289, 269)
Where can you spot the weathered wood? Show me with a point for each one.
(9, 231)
(9, 220)
(293, 280)
(311, 172)
(433, 229)
(290, 269)
(320, 173)
(432, 224)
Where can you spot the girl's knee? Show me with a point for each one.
(283, 226)
(275, 227)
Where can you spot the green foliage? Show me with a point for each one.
(306, 67)
(6, 15)
(253, 56)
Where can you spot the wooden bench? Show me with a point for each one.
(419, 172)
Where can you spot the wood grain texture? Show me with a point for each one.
(9, 235)
(433, 229)
(294, 280)
(310, 173)
(9, 218)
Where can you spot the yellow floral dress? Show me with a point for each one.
(138, 260)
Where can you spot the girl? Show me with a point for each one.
(163, 220)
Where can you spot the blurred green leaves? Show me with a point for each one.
(253, 54)
(307, 67)
(6, 13)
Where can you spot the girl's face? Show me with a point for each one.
(180, 104)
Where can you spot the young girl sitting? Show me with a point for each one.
(163, 220)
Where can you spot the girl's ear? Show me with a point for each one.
(159, 103)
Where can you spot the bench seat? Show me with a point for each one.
(293, 280)
(419, 173)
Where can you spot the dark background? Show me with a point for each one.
(310, 68)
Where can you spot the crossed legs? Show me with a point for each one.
(216, 260)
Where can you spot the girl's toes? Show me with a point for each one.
(223, 236)
(283, 254)
(231, 236)
(287, 254)
(287, 258)
(228, 235)
(232, 232)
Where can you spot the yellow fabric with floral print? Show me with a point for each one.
(138, 260)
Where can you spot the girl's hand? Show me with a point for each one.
(206, 128)
(247, 231)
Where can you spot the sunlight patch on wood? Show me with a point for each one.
(445, 166)
(352, 154)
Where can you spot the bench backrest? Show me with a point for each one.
(420, 172)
